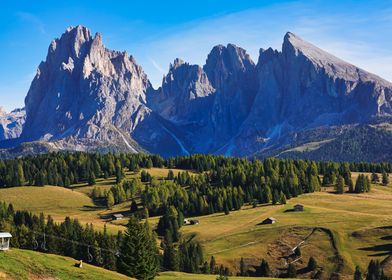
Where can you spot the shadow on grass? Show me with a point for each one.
(87, 208)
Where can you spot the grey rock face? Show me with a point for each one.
(208, 105)
(85, 93)
(185, 94)
(11, 124)
(304, 87)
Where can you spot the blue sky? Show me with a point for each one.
(156, 32)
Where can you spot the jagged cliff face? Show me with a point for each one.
(11, 124)
(303, 87)
(185, 95)
(209, 104)
(86, 92)
(85, 96)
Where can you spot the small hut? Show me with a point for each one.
(194, 222)
(191, 222)
(116, 217)
(5, 241)
(298, 208)
(270, 220)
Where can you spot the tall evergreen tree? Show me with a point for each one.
(109, 200)
(312, 264)
(170, 255)
(242, 267)
(358, 273)
(340, 185)
(263, 270)
(385, 178)
(375, 271)
(138, 257)
(212, 265)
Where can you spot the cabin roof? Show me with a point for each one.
(118, 215)
(5, 234)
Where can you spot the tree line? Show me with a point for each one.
(67, 168)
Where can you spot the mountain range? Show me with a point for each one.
(297, 102)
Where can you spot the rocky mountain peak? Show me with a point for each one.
(177, 63)
(85, 91)
(224, 63)
(74, 42)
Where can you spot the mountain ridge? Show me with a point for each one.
(87, 97)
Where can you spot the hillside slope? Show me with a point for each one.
(25, 264)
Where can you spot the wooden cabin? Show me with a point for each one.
(116, 217)
(298, 208)
(191, 222)
(270, 220)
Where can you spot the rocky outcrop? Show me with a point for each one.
(304, 87)
(209, 104)
(85, 93)
(11, 124)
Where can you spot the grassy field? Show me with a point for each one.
(75, 201)
(60, 202)
(345, 230)
(341, 231)
(24, 264)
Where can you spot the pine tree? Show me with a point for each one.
(227, 211)
(312, 264)
(291, 271)
(242, 267)
(119, 172)
(134, 207)
(385, 178)
(275, 196)
(139, 254)
(170, 175)
(358, 273)
(109, 200)
(375, 178)
(212, 265)
(20, 175)
(340, 185)
(350, 185)
(91, 179)
(263, 270)
(360, 184)
(205, 269)
(170, 256)
(282, 199)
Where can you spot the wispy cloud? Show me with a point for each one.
(157, 66)
(32, 19)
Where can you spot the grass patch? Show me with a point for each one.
(25, 264)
